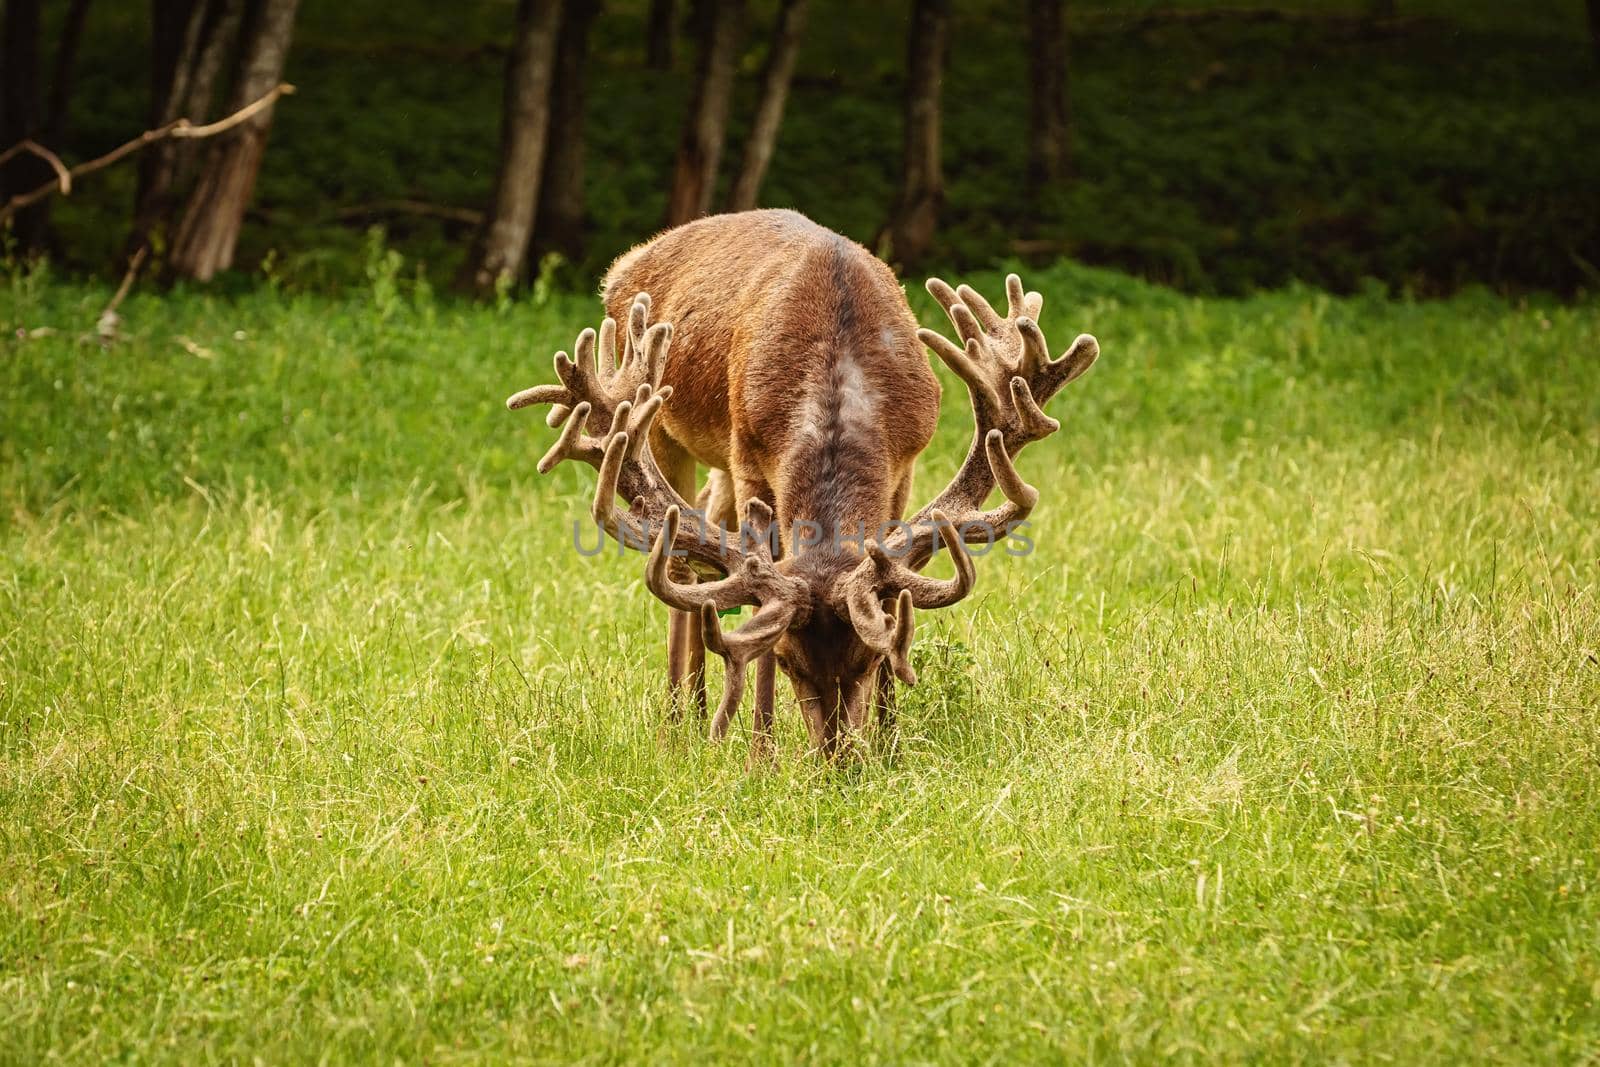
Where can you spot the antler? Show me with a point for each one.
(1006, 365)
(783, 601)
(605, 408)
(880, 577)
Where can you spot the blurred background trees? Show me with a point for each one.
(499, 250)
(910, 230)
(1049, 148)
(776, 74)
(31, 107)
(718, 26)
(1217, 147)
(207, 230)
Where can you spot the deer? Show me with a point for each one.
(786, 359)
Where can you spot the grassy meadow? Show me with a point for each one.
(318, 741)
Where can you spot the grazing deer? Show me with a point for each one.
(787, 360)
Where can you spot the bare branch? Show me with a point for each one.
(244, 114)
(28, 144)
(179, 129)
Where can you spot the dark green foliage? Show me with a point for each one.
(1458, 145)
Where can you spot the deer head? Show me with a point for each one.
(829, 617)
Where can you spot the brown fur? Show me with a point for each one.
(763, 304)
(798, 376)
(795, 366)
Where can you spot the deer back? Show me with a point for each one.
(795, 359)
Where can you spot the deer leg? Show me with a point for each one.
(853, 698)
(883, 698)
(810, 700)
(685, 669)
(694, 660)
(686, 655)
(883, 694)
(766, 698)
(833, 720)
(716, 500)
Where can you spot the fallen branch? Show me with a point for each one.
(108, 325)
(180, 129)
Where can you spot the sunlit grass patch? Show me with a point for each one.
(318, 738)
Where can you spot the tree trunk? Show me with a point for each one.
(1049, 150)
(500, 249)
(178, 34)
(209, 229)
(20, 117)
(658, 43)
(55, 124)
(775, 80)
(694, 174)
(1594, 27)
(909, 234)
(217, 39)
(558, 226)
(175, 27)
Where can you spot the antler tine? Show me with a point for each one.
(730, 592)
(973, 300)
(608, 344)
(1035, 423)
(740, 648)
(968, 324)
(1021, 304)
(605, 409)
(892, 575)
(1020, 496)
(1073, 363)
(905, 631)
(638, 317)
(656, 342)
(976, 526)
(1006, 366)
(583, 351)
(539, 394)
(566, 445)
(733, 677)
(647, 402)
(889, 636)
(964, 362)
(616, 522)
(1016, 299)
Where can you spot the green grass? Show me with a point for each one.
(318, 742)
(1459, 146)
